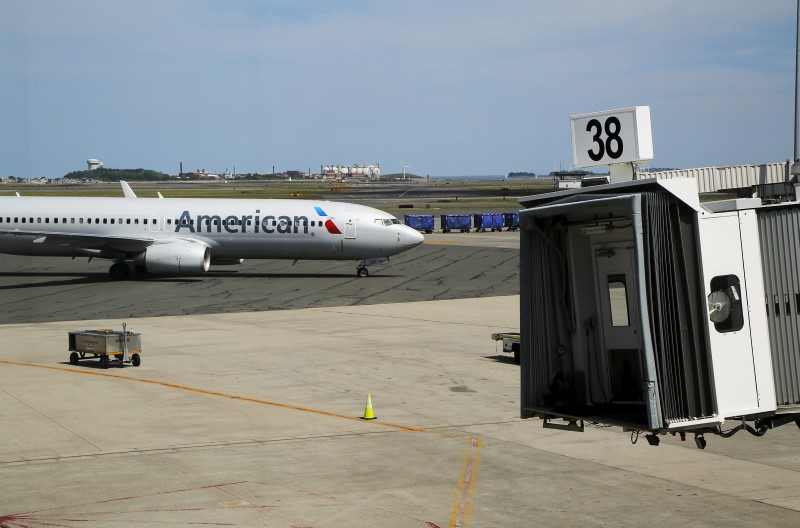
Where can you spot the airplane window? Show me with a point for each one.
(80, 220)
(39, 220)
(136, 221)
(128, 221)
(71, 220)
(378, 221)
(105, 220)
(23, 220)
(46, 220)
(16, 220)
(169, 221)
(88, 220)
(144, 221)
(30, 220)
(112, 220)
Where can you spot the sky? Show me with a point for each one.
(445, 87)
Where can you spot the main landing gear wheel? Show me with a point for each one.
(362, 271)
(119, 271)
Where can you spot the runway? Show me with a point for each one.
(246, 408)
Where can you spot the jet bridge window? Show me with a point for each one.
(618, 300)
(725, 304)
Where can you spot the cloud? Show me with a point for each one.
(448, 86)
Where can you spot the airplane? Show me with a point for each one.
(187, 235)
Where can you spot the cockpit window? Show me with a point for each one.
(387, 221)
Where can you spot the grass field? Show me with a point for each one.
(410, 196)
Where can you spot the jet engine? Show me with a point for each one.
(174, 257)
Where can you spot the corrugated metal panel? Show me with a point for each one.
(779, 231)
(714, 179)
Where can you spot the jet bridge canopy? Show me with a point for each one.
(612, 310)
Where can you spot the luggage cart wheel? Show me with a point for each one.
(136, 360)
(73, 358)
(104, 362)
(362, 271)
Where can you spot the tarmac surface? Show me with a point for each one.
(246, 408)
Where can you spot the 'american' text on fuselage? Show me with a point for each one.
(239, 224)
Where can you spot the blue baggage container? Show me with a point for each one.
(420, 222)
(456, 222)
(511, 221)
(492, 221)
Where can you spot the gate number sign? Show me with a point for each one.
(614, 136)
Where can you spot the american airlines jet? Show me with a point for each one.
(186, 235)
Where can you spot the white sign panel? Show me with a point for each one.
(613, 136)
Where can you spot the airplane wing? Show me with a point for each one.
(84, 240)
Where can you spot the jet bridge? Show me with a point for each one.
(642, 308)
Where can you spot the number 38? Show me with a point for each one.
(613, 143)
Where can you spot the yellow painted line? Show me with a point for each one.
(441, 242)
(465, 491)
(218, 394)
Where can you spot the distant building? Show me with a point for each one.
(94, 163)
(351, 172)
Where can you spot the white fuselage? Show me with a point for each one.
(121, 228)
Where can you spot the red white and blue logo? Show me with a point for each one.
(329, 225)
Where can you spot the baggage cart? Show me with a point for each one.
(122, 347)
(511, 221)
(453, 222)
(420, 222)
(492, 221)
(510, 343)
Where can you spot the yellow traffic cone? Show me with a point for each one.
(368, 414)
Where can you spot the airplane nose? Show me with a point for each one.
(412, 237)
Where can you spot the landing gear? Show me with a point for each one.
(362, 270)
(119, 271)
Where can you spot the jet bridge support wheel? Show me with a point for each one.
(362, 271)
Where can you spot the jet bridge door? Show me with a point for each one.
(616, 287)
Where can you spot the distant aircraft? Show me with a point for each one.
(186, 235)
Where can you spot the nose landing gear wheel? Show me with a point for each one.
(362, 272)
